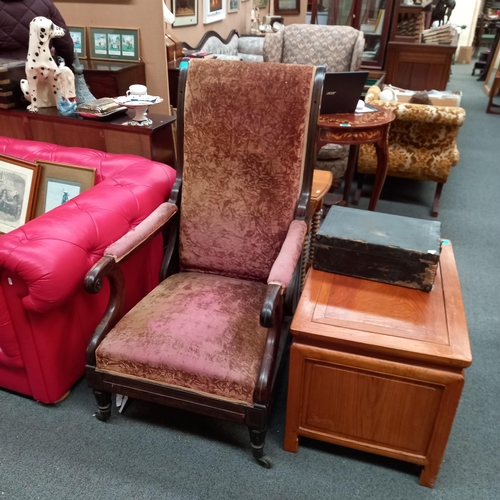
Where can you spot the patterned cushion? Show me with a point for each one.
(336, 167)
(250, 57)
(194, 331)
(422, 140)
(242, 166)
(339, 48)
(333, 152)
(215, 46)
(251, 45)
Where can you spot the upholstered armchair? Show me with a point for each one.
(338, 48)
(208, 338)
(422, 143)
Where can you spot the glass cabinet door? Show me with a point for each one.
(372, 17)
(372, 21)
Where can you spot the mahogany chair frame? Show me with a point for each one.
(275, 314)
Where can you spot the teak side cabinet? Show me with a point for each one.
(377, 367)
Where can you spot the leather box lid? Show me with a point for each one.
(381, 234)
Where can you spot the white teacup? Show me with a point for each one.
(137, 90)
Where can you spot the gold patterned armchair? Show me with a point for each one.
(338, 48)
(209, 338)
(422, 143)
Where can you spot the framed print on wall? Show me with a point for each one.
(261, 4)
(185, 12)
(233, 6)
(18, 189)
(59, 183)
(286, 7)
(114, 44)
(213, 10)
(79, 36)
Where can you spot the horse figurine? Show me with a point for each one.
(443, 9)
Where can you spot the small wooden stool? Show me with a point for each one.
(378, 367)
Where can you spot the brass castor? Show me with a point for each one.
(63, 397)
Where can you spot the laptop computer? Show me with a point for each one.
(342, 91)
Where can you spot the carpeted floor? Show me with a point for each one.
(152, 452)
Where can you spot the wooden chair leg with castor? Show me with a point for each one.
(437, 199)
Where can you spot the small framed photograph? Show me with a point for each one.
(78, 35)
(214, 10)
(114, 44)
(233, 6)
(261, 4)
(60, 183)
(18, 190)
(287, 7)
(185, 12)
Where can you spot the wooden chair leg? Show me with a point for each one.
(357, 194)
(437, 199)
(257, 441)
(103, 400)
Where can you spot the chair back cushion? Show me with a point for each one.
(245, 131)
(216, 46)
(330, 46)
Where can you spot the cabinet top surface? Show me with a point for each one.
(377, 317)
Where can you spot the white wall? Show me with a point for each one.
(465, 13)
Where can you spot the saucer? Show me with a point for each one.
(137, 101)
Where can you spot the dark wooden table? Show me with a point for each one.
(354, 129)
(378, 367)
(112, 78)
(155, 142)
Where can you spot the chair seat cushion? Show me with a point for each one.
(199, 332)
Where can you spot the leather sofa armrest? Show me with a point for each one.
(53, 252)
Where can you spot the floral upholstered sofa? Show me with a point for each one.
(422, 143)
(233, 48)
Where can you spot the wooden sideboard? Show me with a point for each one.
(112, 79)
(419, 66)
(112, 136)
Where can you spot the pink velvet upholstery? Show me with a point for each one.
(46, 317)
(242, 167)
(196, 331)
(130, 241)
(284, 266)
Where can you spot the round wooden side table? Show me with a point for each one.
(354, 129)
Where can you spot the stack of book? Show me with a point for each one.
(444, 34)
(11, 73)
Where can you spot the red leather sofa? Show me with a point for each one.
(46, 317)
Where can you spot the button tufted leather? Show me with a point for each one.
(46, 317)
(72, 237)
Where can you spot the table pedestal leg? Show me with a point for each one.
(351, 166)
(381, 173)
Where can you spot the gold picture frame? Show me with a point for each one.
(60, 183)
(79, 36)
(18, 190)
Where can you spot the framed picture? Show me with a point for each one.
(114, 44)
(286, 7)
(18, 189)
(185, 12)
(233, 6)
(78, 35)
(261, 4)
(59, 183)
(214, 10)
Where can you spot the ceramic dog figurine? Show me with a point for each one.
(40, 86)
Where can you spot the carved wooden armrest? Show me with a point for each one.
(109, 267)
